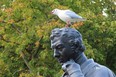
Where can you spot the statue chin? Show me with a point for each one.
(62, 60)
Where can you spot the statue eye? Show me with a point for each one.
(60, 47)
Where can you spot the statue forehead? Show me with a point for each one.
(56, 42)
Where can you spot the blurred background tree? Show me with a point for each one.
(25, 27)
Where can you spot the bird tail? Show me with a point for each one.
(83, 19)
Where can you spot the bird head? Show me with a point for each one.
(55, 11)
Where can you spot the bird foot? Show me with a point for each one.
(67, 25)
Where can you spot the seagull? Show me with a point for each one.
(67, 16)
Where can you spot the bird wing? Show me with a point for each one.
(72, 14)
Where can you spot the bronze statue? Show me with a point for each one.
(69, 51)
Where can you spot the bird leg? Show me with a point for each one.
(67, 24)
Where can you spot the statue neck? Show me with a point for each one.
(80, 58)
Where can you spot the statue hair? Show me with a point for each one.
(71, 36)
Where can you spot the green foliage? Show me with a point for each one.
(25, 27)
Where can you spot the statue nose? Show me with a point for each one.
(56, 53)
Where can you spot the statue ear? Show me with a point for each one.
(77, 42)
(79, 45)
(71, 42)
(82, 48)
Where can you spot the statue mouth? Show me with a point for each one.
(60, 60)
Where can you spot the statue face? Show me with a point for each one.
(66, 43)
(62, 50)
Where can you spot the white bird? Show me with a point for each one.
(67, 16)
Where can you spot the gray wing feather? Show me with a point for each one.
(72, 14)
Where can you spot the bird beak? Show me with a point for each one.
(51, 12)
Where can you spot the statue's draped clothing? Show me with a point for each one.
(88, 69)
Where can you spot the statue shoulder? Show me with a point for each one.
(103, 71)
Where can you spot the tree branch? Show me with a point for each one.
(22, 54)
(13, 26)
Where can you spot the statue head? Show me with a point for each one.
(66, 43)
